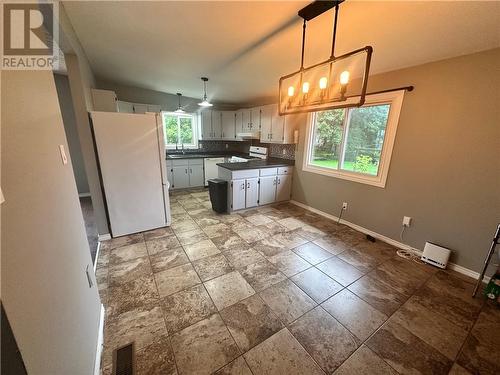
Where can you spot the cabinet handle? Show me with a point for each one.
(190, 171)
(186, 171)
(279, 181)
(243, 186)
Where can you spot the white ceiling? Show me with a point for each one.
(244, 47)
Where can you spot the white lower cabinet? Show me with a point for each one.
(180, 177)
(283, 187)
(252, 192)
(238, 193)
(185, 173)
(196, 177)
(267, 190)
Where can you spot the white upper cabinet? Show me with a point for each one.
(246, 120)
(125, 107)
(266, 113)
(228, 125)
(154, 108)
(277, 127)
(104, 100)
(255, 119)
(216, 125)
(206, 124)
(140, 108)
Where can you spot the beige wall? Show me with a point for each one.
(444, 171)
(53, 312)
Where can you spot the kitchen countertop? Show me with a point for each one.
(256, 164)
(204, 154)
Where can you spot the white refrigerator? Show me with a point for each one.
(131, 155)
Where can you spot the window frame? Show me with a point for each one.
(395, 100)
(194, 125)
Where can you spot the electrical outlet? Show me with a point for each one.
(344, 206)
(406, 221)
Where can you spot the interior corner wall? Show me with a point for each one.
(53, 312)
(68, 115)
(78, 81)
(444, 171)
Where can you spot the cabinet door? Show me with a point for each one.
(196, 177)
(140, 108)
(229, 125)
(170, 176)
(284, 187)
(125, 107)
(255, 119)
(265, 123)
(246, 120)
(104, 100)
(277, 126)
(216, 125)
(267, 190)
(252, 192)
(239, 121)
(154, 108)
(206, 124)
(181, 176)
(238, 194)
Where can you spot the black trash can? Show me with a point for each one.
(218, 194)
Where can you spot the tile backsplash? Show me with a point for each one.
(284, 151)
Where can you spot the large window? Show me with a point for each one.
(179, 129)
(355, 143)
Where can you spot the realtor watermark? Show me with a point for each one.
(30, 36)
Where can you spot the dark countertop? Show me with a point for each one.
(204, 154)
(256, 164)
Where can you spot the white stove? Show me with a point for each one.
(255, 153)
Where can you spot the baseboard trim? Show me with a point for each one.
(100, 343)
(104, 237)
(390, 241)
(84, 195)
(97, 255)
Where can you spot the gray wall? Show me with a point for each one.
(53, 313)
(68, 115)
(445, 164)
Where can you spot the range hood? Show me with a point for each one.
(249, 135)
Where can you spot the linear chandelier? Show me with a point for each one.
(338, 82)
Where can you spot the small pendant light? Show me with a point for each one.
(205, 102)
(179, 108)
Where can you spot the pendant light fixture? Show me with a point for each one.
(205, 102)
(179, 108)
(338, 82)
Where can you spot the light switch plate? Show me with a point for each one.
(63, 154)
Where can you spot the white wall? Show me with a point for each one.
(53, 312)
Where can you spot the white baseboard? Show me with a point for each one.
(104, 237)
(97, 255)
(390, 241)
(100, 342)
(84, 195)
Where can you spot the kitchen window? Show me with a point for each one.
(179, 129)
(354, 143)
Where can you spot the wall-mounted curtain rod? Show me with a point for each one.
(406, 88)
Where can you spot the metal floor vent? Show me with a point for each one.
(124, 360)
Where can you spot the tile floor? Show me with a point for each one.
(280, 290)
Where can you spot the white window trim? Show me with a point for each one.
(194, 116)
(395, 99)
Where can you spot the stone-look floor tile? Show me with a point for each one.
(290, 239)
(459, 370)
(316, 284)
(128, 271)
(310, 217)
(355, 314)
(291, 223)
(287, 301)
(379, 295)
(250, 212)
(250, 322)
(204, 347)
(309, 232)
(191, 237)
(127, 253)
(184, 225)
(362, 261)
(251, 235)
(156, 359)
(211, 267)
(101, 277)
(324, 338)
(313, 253)
(206, 221)
(332, 244)
(229, 243)
(142, 326)
(261, 275)
(177, 209)
(157, 233)
(340, 271)
(269, 247)
(350, 236)
(242, 257)
(275, 214)
(289, 263)
(201, 249)
(281, 354)
(237, 367)
(165, 259)
(131, 295)
(121, 241)
(228, 289)
(406, 353)
(187, 307)
(365, 362)
(481, 352)
(176, 279)
(431, 328)
(328, 226)
(404, 275)
(272, 228)
(218, 230)
(229, 218)
(258, 219)
(103, 259)
(241, 225)
(162, 243)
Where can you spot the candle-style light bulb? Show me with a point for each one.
(305, 87)
(323, 82)
(344, 77)
(291, 91)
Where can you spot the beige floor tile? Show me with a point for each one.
(127, 253)
(365, 362)
(163, 243)
(261, 275)
(237, 367)
(165, 259)
(241, 257)
(228, 289)
(201, 249)
(340, 271)
(289, 263)
(176, 279)
(212, 266)
(156, 359)
(191, 236)
(128, 271)
(312, 253)
(316, 284)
